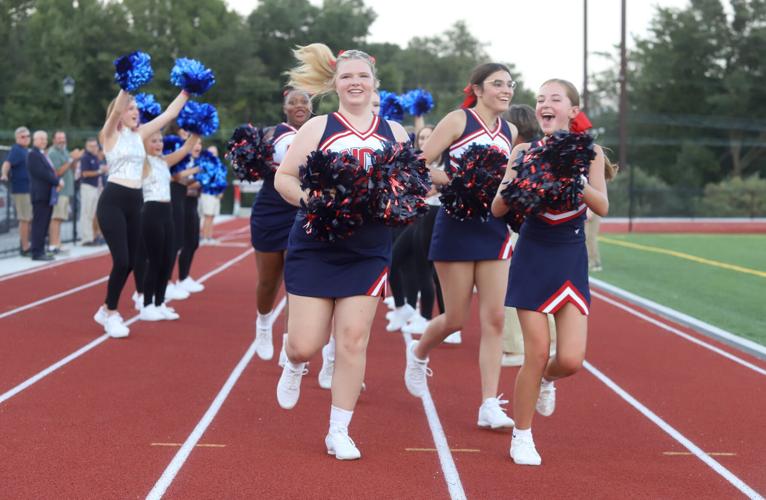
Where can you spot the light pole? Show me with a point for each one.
(67, 86)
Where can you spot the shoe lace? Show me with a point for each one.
(295, 376)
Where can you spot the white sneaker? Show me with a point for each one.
(289, 385)
(492, 414)
(546, 401)
(100, 316)
(398, 318)
(416, 325)
(168, 312)
(389, 302)
(523, 451)
(138, 301)
(263, 342)
(282, 353)
(416, 372)
(150, 313)
(341, 445)
(328, 367)
(115, 327)
(512, 359)
(190, 285)
(453, 338)
(175, 292)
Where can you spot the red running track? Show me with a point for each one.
(91, 428)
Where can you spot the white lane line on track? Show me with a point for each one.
(164, 482)
(680, 438)
(98, 341)
(451, 476)
(54, 297)
(681, 334)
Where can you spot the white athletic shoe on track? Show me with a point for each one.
(138, 301)
(416, 325)
(416, 372)
(175, 292)
(546, 401)
(264, 345)
(289, 385)
(399, 316)
(150, 313)
(115, 327)
(523, 451)
(341, 445)
(100, 316)
(328, 367)
(190, 285)
(454, 338)
(389, 302)
(168, 312)
(492, 414)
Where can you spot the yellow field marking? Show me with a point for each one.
(177, 445)
(454, 450)
(686, 453)
(681, 255)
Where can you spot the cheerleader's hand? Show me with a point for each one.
(582, 181)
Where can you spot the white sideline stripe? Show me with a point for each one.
(53, 297)
(52, 368)
(449, 469)
(99, 253)
(681, 334)
(163, 483)
(680, 317)
(672, 432)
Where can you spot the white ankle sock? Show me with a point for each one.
(340, 418)
(264, 319)
(296, 366)
(519, 433)
(546, 383)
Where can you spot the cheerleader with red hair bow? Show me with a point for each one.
(549, 271)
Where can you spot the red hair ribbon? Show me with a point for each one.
(470, 97)
(580, 123)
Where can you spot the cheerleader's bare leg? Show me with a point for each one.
(572, 327)
(491, 282)
(270, 267)
(534, 328)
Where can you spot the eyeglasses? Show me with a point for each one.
(498, 84)
(24, 136)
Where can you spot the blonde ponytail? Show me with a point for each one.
(315, 72)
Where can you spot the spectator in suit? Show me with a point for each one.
(44, 187)
(64, 162)
(15, 168)
(91, 170)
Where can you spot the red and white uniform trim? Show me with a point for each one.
(568, 293)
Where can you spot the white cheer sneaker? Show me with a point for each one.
(289, 385)
(341, 445)
(492, 414)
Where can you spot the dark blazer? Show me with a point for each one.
(42, 177)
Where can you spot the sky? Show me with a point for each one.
(543, 38)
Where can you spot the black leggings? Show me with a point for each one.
(411, 271)
(119, 217)
(177, 201)
(191, 237)
(157, 230)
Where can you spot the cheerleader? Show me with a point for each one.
(470, 253)
(191, 229)
(339, 282)
(549, 274)
(270, 221)
(157, 227)
(119, 207)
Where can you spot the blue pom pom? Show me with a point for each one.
(198, 118)
(170, 144)
(212, 173)
(391, 106)
(418, 102)
(148, 107)
(192, 76)
(133, 70)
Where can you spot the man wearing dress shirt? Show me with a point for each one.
(44, 186)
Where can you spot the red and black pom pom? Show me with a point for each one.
(251, 155)
(548, 177)
(475, 180)
(398, 182)
(338, 195)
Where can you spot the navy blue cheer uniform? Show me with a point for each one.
(357, 265)
(472, 239)
(550, 263)
(272, 217)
